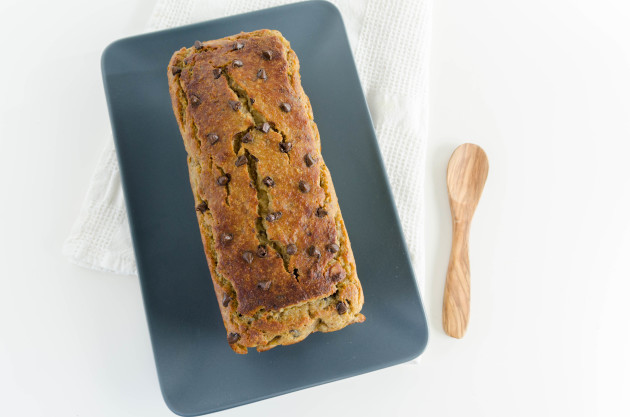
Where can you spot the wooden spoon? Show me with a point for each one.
(465, 177)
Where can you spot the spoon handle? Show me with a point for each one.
(456, 306)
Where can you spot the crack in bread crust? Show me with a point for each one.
(271, 296)
(261, 193)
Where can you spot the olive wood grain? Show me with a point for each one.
(465, 178)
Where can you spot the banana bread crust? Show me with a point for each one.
(277, 248)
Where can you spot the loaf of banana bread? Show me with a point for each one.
(273, 235)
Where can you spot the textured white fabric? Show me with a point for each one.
(390, 42)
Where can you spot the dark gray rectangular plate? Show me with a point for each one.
(198, 372)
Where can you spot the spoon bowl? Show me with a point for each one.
(466, 176)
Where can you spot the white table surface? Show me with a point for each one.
(543, 86)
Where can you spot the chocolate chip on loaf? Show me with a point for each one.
(226, 300)
(272, 217)
(264, 127)
(268, 181)
(309, 160)
(235, 104)
(223, 180)
(291, 249)
(262, 74)
(333, 248)
(198, 45)
(194, 100)
(294, 333)
(237, 46)
(227, 237)
(321, 212)
(285, 147)
(237, 63)
(336, 273)
(285, 107)
(240, 161)
(251, 100)
(341, 307)
(202, 207)
(233, 338)
(176, 70)
(267, 55)
(304, 187)
(248, 257)
(314, 252)
(216, 72)
(265, 285)
(212, 138)
(247, 138)
(261, 251)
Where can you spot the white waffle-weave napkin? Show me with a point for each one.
(390, 42)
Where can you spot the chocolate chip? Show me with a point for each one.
(194, 100)
(235, 104)
(264, 127)
(336, 273)
(237, 63)
(202, 207)
(333, 248)
(223, 180)
(320, 212)
(285, 107)
(251, 100)
(304, 187)
(198, 45)
(291, 249)
(247, 138)
(268, 181)
(176, 70)
(285, 147)
(267, 55)
(262, 74)
(294, 333)
(272, 217)
(254, 157)
(213, 138)
(226, 300)
(237, 46)
(248, 256)
(227, 237)
(341, 307)
(240, 161)
(261, 251)
(313, 251)
(265, 285)
(216, 72)
(233, 338)
(309, 160)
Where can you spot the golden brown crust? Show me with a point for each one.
(260, 187)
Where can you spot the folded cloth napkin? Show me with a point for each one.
(390, 43)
